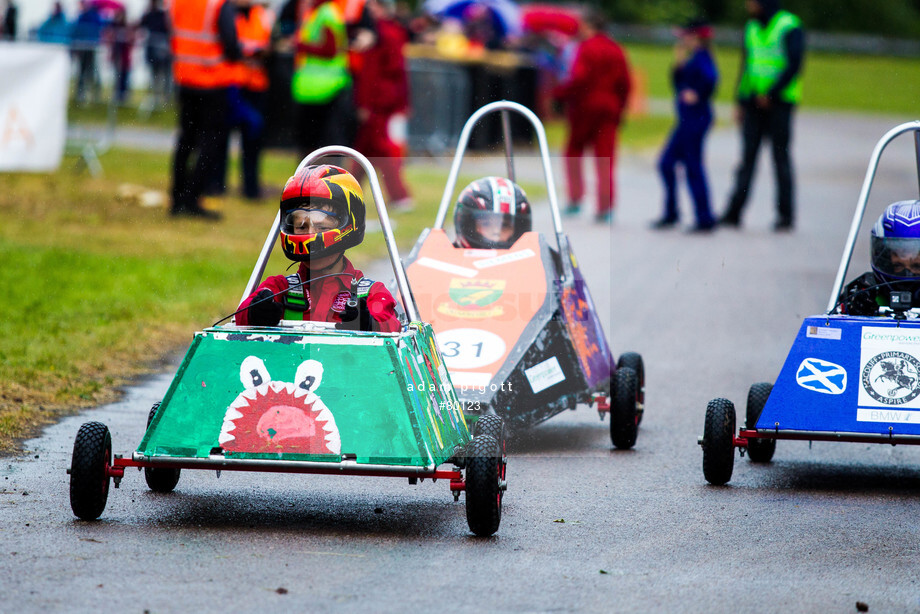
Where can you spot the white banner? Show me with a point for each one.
(33, 106)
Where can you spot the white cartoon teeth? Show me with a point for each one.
(257, 385)
(333, 443)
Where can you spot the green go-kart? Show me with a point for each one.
(306, 397)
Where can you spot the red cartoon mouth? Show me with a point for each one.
(279, 417)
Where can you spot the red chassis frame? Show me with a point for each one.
(116, 470)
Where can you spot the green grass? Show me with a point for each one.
(837, 82)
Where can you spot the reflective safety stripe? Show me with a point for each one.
(192, 59)
(194, 35)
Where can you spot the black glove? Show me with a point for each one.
(263, 310)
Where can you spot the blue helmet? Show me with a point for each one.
(895, 242)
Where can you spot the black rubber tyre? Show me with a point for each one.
(624, 419)
(718, 442)
(484, 488)
(160, 479)
(494, 426)
(759, 450)
(633, 360)
(89, 479)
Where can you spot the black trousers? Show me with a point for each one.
(774, 124)
(202, 132)
(249, 117)
(332, 123)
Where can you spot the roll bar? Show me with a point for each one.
(399, 271)
(504, 106)
(913, 126)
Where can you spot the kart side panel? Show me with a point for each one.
(552, 352)
(848, 374)
(486, 306)
(584, 327)
(318, 396)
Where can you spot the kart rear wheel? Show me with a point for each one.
(624, 418)
(633, 360)
(484, 485)
(718, 442)
(89, 476)
(160, 479)
(759, 450)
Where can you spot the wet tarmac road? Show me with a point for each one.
(585, 528)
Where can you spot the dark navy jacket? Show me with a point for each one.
(699, 74)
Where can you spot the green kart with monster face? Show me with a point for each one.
(307, 397)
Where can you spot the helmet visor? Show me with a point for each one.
(491, 229)
(310, 221)
(896, 257)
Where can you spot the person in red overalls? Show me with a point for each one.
(595, 97)
(322, 215)
(382, 100)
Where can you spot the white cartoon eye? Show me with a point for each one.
(309, 375)
(253, 373)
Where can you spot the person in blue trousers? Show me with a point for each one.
(694, 77)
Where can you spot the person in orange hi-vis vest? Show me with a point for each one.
(204, 45)
(248, 95)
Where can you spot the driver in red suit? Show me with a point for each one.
(322, 215)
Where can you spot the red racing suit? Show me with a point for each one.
(595, 97)
(325, 298)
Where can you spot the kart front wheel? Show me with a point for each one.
(624, 419)
(718, 442)
(484, 485)
(759, 450)
(494, 426)
(160, 479)
(633, 360)
(89, 470)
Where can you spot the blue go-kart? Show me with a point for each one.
(846, 378)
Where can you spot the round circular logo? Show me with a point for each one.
(470, 348)
(892, 378)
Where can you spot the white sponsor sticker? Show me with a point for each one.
(877, 414)
(504, 259)
(447, 267)
(545, 374)
(823, 332)
(821, 376)
(889, 365)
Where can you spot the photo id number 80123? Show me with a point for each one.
(470, 406)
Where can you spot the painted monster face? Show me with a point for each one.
(279, 417)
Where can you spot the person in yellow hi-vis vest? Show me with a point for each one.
(322, 85)
(769, 88)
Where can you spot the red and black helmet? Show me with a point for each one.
(316, 192)
(491, 213)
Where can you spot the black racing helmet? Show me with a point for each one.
(491, 213)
